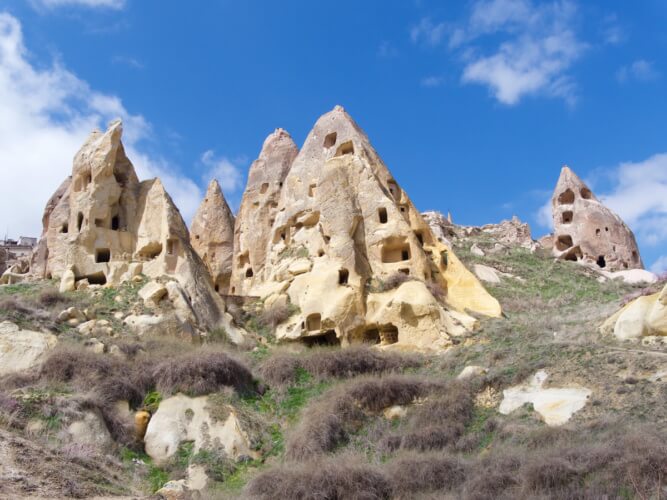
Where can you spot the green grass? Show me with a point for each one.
(155, 476)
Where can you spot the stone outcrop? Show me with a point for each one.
(511, 233)
(556, 405)
(643, 317)
(107, 227)
(587, 231)
(22, 349)
(259, 206)
(340, 226)
(212, 236)
(181, 418)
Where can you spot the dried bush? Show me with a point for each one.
(282, 369)
(331, 479)
(50, 298)
(328, 421)
(416, 473)
(272, 316)
(76, 364)
(200, 373)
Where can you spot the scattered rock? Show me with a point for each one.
(632, 276)
(486, 273)
(395, 412)
(68, 281)
(471, 371)
(475, 250)
(181, 418)
(555, 405)
(643, 317)
(22, 349)
(152, 293)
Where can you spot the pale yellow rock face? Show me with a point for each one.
(181, 418)
(212, 236)
(22, 349)
(257, 213)
(643, 317)
(107, 227)
(587, 231)
(340, 223)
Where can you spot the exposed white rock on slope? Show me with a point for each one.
(22, 349)
(555, 405)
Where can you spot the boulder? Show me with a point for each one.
(555, 405)
(587, 231)
(181, 418)
(471, 371)
(22, 349)
(632, 276)
(645, 316)
(90, 431)
(486, 273)
(68, 281)
(212, 236)
(152, 293)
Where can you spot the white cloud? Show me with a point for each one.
(127, 61)
(427, 32)
(432, 81)
(660, 265)
(224, 170)
(612, 32)
(47, 113)
(640, 70)
(538, 47)
(387, 51)
(639, 196)
(107, 4)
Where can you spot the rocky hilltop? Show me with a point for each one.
(329, 341)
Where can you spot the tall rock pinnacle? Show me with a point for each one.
(212, 236)
(585, 230)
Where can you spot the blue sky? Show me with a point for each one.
(473, 105)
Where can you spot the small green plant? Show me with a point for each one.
(218, 336)
(152, 400)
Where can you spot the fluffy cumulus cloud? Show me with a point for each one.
(46, 115)
(107, 4)
(640, 70)
(639, 196)
(226, 171)
(516, 48)
(537, 45)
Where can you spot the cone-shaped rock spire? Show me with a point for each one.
(212, 236)
(258, 208)
(586, 230)
(341, 228)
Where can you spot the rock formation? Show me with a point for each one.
(107, 227)
(340, 227)
(212, 236)
(258, 209)
(643, 317)
(511, 232)
(587, 231)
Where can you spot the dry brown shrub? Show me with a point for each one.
(344, 478)
(281, 369)
(201, 372)
(413, 473)
(328, 421)
(52, 297)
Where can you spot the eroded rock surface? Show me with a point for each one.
(181, 418)
(106, 227)
(212, 236)
(340, 227)
(22, 349)
(585, 230)
(645, 316)
(555, 405)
